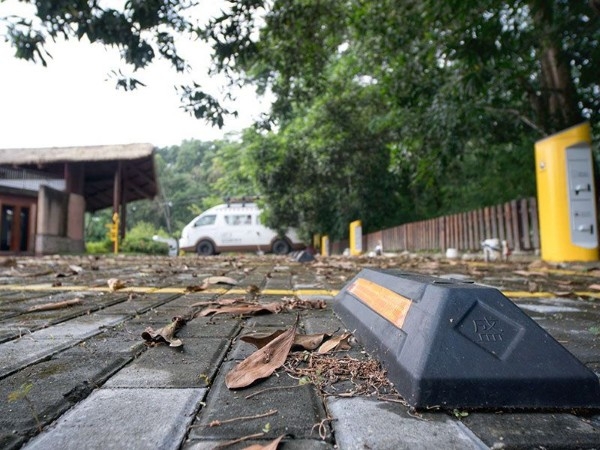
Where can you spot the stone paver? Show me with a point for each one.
(364, 423)
(41, 344)
(124, 419)
(94, 383)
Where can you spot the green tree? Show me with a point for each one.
(142, 30)
(194, 176)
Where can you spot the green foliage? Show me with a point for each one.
(194, 176)
(143, 245)
(139, 240)
(97, 225)
(384, 112)
(23, 394)
(20, 393)
(99, 247)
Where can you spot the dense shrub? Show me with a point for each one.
(99, 247)
(145, 245)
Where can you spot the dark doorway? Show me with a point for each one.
(14, 228)
(6, 226)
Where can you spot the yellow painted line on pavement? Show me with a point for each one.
(182, 290)
(315, 292)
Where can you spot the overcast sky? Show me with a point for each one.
(73, 102)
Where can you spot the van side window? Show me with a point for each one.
(238, 219)
(205, 220)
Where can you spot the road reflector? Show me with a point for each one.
(456, 344)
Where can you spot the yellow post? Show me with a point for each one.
(356, 238)
(114, 232)
(325, 245)
(316, 243)
(566, 196)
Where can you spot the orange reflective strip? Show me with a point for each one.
(390, 305)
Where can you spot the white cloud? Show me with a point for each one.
(73, 102)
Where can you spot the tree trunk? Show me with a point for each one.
(557, 100)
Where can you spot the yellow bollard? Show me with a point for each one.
(566, 196)
(325, 245)
(356, 238)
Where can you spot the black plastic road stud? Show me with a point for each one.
(455, 344)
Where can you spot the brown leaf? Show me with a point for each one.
(223, 302)
(259, 340)
(336, 343)
(166, 333)
(252, 289)
(530, 273)
(262, 362)
(594, 287)
(196, 288)
(270, 446)
(297, 303)
(115, 284)
(563, 293)
(310, 341)
(75, 269)
(207, 282)
(220, 280)
(274, 307)
(306, 341)
(56, 305)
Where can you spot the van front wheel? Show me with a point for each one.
(205, 248)
(281, 247)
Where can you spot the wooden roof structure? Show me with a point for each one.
(106, 175)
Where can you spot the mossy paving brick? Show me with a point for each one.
(298, 407)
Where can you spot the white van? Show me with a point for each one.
(234, 227)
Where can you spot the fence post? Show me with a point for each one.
(515, 224)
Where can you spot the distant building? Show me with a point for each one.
(45, 192)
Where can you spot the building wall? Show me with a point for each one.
(60, 221)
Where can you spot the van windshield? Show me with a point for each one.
(205, 220)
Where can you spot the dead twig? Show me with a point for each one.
(238, 440)
(218, 423)
(322, 428)
(275, 388)
(55, 305)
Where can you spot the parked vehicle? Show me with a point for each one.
(235, 227)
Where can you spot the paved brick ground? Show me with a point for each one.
(82, 376)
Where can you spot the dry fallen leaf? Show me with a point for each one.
(529, 273)
(270, 446)
(298, 303)
(75, 269)
(252, 289)
(259, 340)
(166, 333)
(220, 280)
(306, 341)
(207, 282)
(563, 293)
(310, 341)
(115, 284)
(274, 308)
(336, 343)
(56, 305)
(262, 362)
(196, 288)
(594, 287)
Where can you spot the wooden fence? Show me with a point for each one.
(515, 221)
